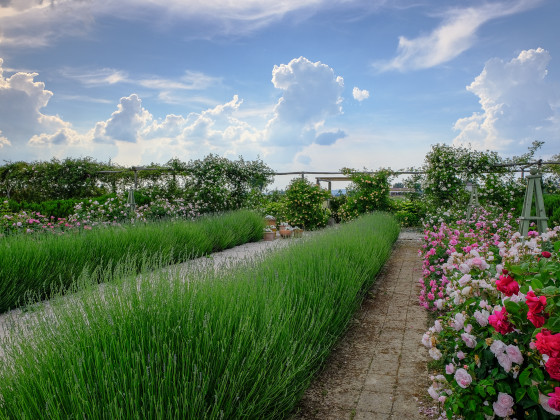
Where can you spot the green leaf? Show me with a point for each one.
(472, 405)
(512, 307)
(519, 394)
(516, 270)
(533, 415)
(549, 290)
(557, 246)
(524, 377)
(538, 375)
(554, 324)
(536, 283)
(491, 390)
(533, 393)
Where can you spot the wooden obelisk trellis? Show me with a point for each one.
(473, 201)
(534, 189)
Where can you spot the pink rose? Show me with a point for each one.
(507, 285)
(503, 406)
(554, 401)
(499, 321)
(514, 354)
(450, 368)
(470, 340)
(463, 378)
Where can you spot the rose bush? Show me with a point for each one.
(497, 339)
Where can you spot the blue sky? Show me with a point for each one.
(303, 84)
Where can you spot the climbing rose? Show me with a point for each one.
(507, 285)
(503, 406)
(499, 321)
(463, 378)
(554, 401)
(548, 343)
(553, 367)
(535, 303)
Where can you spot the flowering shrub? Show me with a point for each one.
(91, 213)
(498, 337)
(367, 193)
(448, 169)
(304, 204)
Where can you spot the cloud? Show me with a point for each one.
(35, 23)
(456, 34)
(21, 101)
(330, 137)
(125, 123)
(360, 95)
(4, 141)
(99, 77)
(310, 96)
(311, 92)
(519, 104)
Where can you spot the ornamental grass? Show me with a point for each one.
(242, 342)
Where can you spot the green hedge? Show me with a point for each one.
(239, 344)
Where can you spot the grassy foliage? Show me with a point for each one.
(39, 265)
(238, 344)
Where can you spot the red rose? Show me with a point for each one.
(535, 304)
(546, 254)
(499, 321)
(548, 344)
(507, 285)
(553, 367)
(504, 271)
(537, 320)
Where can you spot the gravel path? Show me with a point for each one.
(379, 368)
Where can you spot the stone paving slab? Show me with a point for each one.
(386, 337)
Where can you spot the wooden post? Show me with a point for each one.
(534, 188)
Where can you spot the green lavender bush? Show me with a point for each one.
(233, 344)
(37, 266)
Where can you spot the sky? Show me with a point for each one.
(304, 85)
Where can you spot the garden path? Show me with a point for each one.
(379, 369)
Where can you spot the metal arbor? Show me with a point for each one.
(534, 189)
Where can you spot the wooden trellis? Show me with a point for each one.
(534, 190)
(473, 200)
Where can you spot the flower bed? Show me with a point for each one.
(497, 339)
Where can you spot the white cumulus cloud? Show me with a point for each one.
(21, 101)
(311, 92)
(359, 94)
(456, 34)
(519, 104)
(125, 123)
